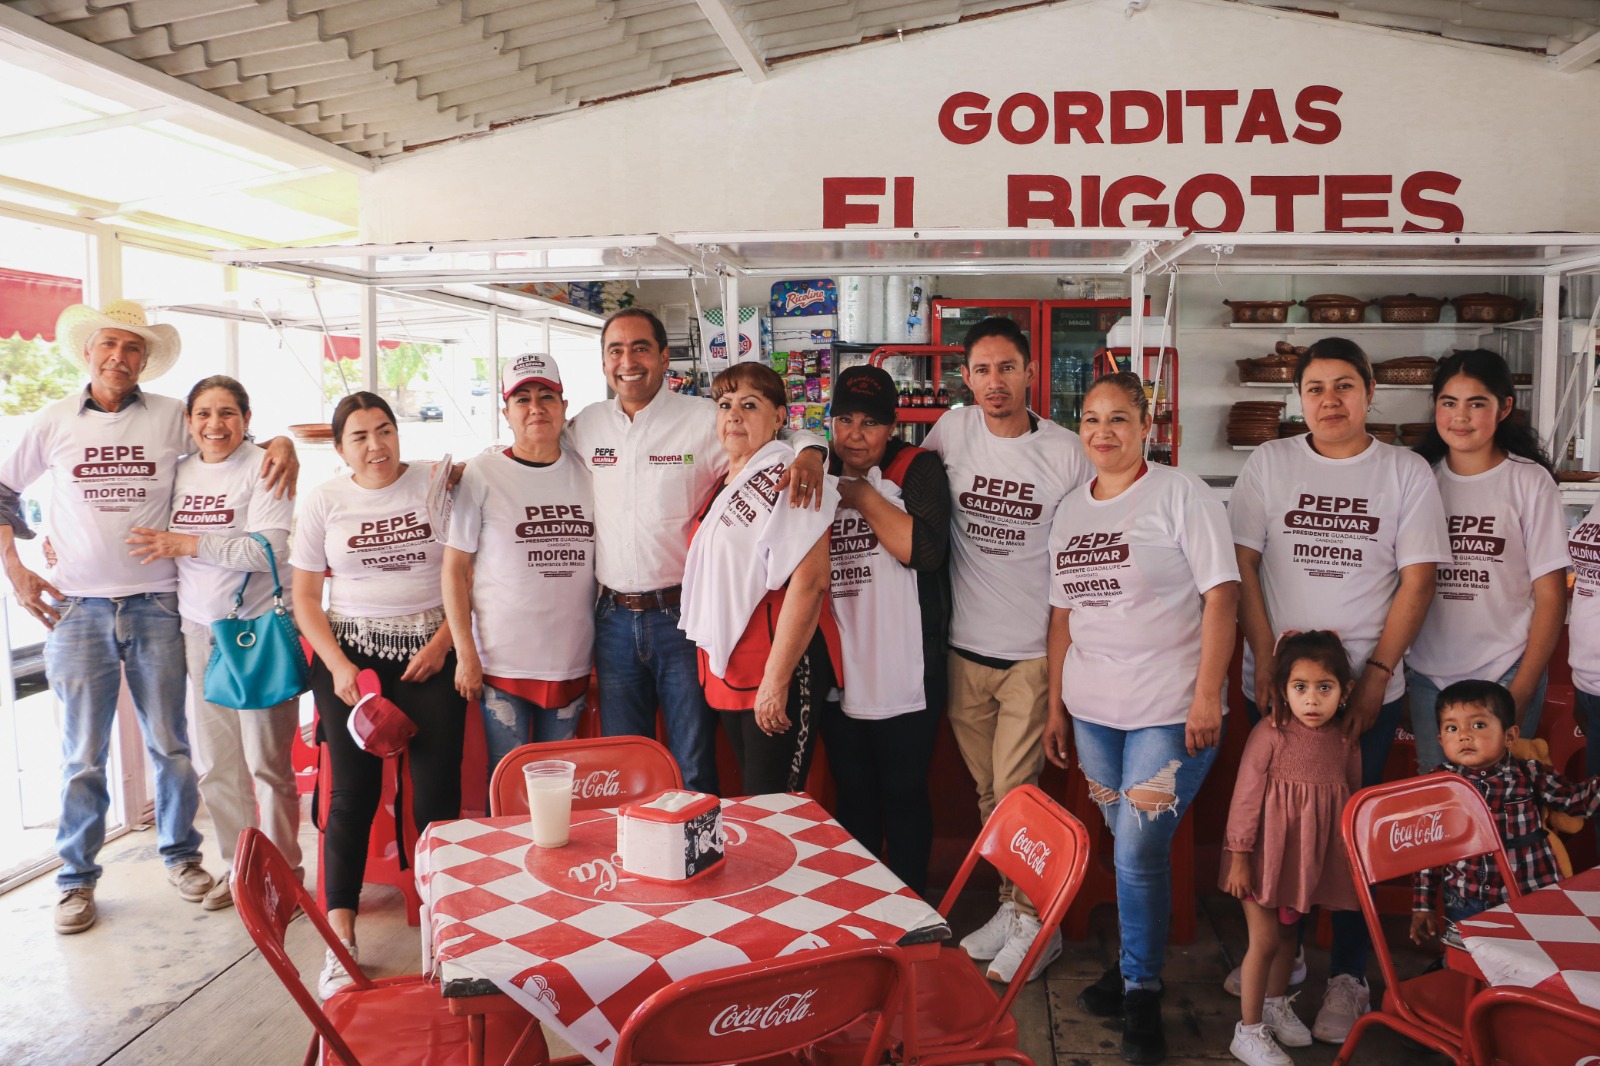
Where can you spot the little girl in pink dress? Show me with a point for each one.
(1286, 854)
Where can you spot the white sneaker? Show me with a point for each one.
(985, 942)
(1005, 964)
(334, 976)
(1254, 1046)
(1297, 976)
(1346, 1000)
(1277, 1014)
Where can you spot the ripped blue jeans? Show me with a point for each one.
(1150, 760)
(511, 721)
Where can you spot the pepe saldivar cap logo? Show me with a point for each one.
(529, 368)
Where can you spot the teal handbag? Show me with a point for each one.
(256, 662)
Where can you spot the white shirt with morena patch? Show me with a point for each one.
(1334, 535)
(1133, 570)
(1583, 627)
(1506, 530)
(386, 557)
(228, 499)
(1004, 492)
(109, 472)
(874, 600)
(532, 532)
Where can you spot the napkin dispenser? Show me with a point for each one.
(673, 836)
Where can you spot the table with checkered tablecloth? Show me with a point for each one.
(1548, 940)
(579, 944)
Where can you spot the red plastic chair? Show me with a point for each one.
(396, 1021)
(610, 770)
(1501, 1021)
(1043, 850)
(767, 1009)
(1394, 830)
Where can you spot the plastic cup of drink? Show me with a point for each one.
(549, 784)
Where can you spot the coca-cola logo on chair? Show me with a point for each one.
(1032, 852)
(1425, 828)
(597, 784)
(789, 1007)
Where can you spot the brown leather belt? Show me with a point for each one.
(644, 601)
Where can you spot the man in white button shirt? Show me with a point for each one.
(655, 458)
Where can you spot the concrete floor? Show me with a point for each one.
(160, 981)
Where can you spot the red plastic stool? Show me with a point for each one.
(383, 854)
(1100, 878)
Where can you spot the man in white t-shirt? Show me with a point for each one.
(111, 452)
(654, 457)
(1009, 470)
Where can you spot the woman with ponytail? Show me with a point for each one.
(1499, 606)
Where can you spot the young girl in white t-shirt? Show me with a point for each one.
(1285, 853)
(1499, 606)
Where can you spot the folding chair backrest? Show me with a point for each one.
(1398, 828)
(1043, 849)
(1503, 1024)
(265, 893)
(765, 1009)
(610, 771)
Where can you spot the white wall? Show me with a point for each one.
(1516, 134)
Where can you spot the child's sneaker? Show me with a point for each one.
(1346, 1000)
(1233, 982)
(1254, 1046)
(1279, 1017)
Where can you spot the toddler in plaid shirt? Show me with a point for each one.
(1476, 724)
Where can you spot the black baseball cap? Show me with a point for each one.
(867, 390)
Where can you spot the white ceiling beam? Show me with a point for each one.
(720, 14)
(60, 53)
(244, 184)
(1579, 55)
(93, 125)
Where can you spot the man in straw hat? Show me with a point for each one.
(111, 453)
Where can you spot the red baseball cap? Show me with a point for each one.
(529, 368)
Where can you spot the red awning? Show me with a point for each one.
(337, 346)
(30, 303)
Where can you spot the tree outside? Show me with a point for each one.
(399, 371)
(33, 374)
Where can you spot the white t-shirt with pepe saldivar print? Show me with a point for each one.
(1583, 627)
(228, 499)
(1133, 571)
(1003, 492)
(1506, 530)
(385, 555)
(1334, 535)
(532, 532)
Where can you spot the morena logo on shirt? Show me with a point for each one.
(685, 459)
(1474, 535)
(1335, 514)
(408, 528)
(114, 461)
(1002, 498)
(603, 457)
(851, 535)
(1092, 549)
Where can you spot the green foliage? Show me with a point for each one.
(398, 370)
(33, 374)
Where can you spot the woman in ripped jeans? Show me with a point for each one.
(1140, 551)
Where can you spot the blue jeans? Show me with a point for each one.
(85, 656)
(1588, 715)
(643, 660)
(1120, 760)
(511, 721)
(1351, 942)
(1425, 715)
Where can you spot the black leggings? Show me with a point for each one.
(781, 762)
(434, 757)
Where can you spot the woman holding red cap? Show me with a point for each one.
(372, 530)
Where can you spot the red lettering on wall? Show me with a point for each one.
(1318, 125)
(1078, 112)
(1038, 121)
(1261, 119)
(1211, 102)
(1090, 199)
(1340, 209)
(1023, 203)
(1448, 215)
(1151, 214)
(837, 209)
(1214, 185)
(1174, 116)
(1283, 188)
(963, 119)
(905, 198)
(1122, 101)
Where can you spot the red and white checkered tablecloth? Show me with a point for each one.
(1548, 940)
(579, 944)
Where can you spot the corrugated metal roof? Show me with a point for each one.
(382, 76)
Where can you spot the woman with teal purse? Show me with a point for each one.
(224, 519)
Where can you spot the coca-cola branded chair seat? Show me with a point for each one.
(609, 772)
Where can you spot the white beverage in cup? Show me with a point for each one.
(550, 800)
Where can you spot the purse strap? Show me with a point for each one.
(277, 586)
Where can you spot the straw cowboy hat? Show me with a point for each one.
(79, 323)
